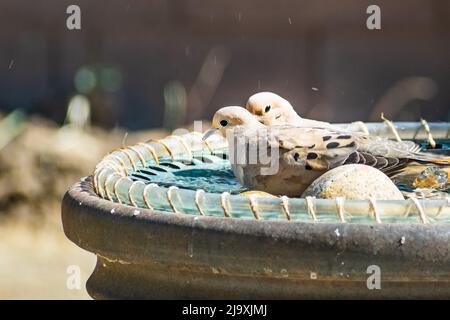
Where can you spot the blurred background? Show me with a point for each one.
(141, 68)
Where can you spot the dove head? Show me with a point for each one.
(229, 118)
(270, 108)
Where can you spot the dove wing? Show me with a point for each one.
(388, 148)
(315, 148)
(397, 153)
(323, 149)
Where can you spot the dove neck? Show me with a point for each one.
(292, 116)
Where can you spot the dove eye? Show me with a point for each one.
(267, 109)
(223, 123)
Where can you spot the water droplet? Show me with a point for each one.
(190, 250)
(214, 270)
(268, 271)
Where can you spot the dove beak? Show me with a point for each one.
(277, 113)
(208, 133)
(260, 119)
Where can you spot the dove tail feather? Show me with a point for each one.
(443, 161)
(389, 165)
(430, 158)
(396, 169)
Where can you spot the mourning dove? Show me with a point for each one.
(299, 155)
(271, 110)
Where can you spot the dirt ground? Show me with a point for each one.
(35, 262)
(36, 168)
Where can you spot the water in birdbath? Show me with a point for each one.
(423, 181)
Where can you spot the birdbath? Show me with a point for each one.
(157, 238)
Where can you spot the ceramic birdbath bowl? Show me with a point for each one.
(166, 220)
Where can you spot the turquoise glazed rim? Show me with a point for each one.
(184, 174)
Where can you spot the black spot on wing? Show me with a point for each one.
(308, 147)
(296, 156)
(326, 138)
(350, 145)
(344, 137)
(308, 167)
(311, 156)
(332, 145)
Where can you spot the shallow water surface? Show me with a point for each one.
(218, 177)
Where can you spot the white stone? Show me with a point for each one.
(354, 181)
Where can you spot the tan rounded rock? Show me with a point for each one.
(354, 181)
